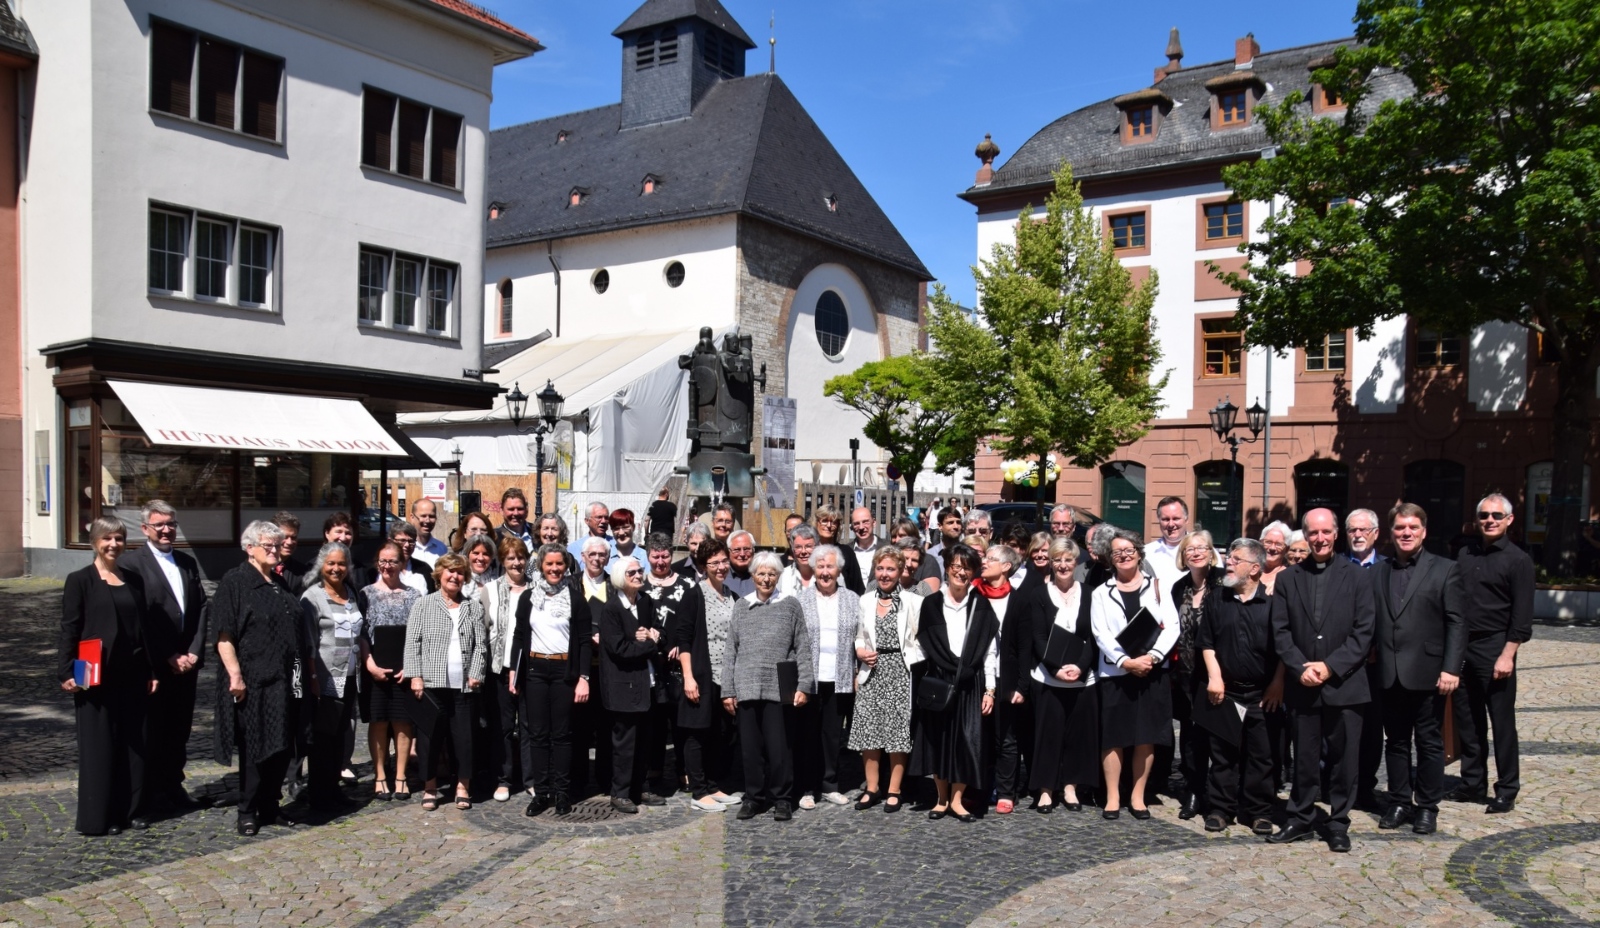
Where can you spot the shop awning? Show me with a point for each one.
(242, 420)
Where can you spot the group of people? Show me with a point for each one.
(1004, 668)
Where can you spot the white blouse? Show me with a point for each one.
(1067, 605)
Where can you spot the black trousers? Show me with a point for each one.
(1488, 703)
(1249, 761)
(453, 727)
(1013, 740)
(591, 730)
(1419, 715)
(627, 760)
(707, 751)
(1340, 728)
(329, 724)
(1194, 742)
(1372, 729)
(261, 783)
(768, 766)
(510, 748)
(166, 733)
(111, 754)
(817, 732)
(547, 710)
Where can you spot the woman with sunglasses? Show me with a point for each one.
(629, 636)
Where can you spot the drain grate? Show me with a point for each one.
(588, 812)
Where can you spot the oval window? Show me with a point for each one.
(675, 274)
(832, 322)
(601, 280)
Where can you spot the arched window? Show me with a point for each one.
(505, 306)
(1217, 485)
(1122, 494)
(1322, 483)
(832, 323)
(1439, 487)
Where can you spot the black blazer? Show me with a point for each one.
(1032, 579)
(87, 612)
(1015, 642)
(1038, 613)
(689, 636)
(1341, 640)
(625, 663)
(415, 565)
(1428, 634)
(935, 639)
(580, 647)
(169, 630)
(850, 570)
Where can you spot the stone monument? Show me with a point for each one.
(722, 389)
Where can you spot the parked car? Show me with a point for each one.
(1028, 514)
(376, 522)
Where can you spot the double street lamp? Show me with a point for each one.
(1223, 417)
(549, 414)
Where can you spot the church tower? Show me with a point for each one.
(673, 51)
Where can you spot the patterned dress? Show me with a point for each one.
(883, 703)
(387, 612)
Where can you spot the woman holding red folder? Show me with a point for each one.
(102, 607)
(1135, 700)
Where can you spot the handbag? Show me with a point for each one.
(934, 694)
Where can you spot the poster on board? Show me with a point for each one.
(777, 450)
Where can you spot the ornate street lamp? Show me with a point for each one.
(1223, 417)
(549, 414)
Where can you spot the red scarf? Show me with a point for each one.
(1003, 588)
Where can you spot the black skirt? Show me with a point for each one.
(1066, 737)
(387, 701)
(951, 745)
(1135, 710)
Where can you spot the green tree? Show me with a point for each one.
(1060, 353)
(1475, 201)
(896, 395)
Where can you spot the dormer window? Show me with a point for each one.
(577, 196)
(496, 210)
(563, 135)
(1141, 114)
(649, 185)
(1323, 99)
(1233, 99)
(1232, 108)
(831, 202)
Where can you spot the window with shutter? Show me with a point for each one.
(377, 129)
(171, 64)
(217, 84)
(258, 96)
(411, 139)
(213, 81)
(442, 157)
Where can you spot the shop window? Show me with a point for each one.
(413, 139)
(1327, 356)
(215, 259)
(405, 292)
(1223, 348)
(1437, 349)
(213, 81)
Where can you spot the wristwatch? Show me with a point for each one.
(584, 677)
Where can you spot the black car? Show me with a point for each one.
(1000, 514)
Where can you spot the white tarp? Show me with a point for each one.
(640, 433)
(236, 420)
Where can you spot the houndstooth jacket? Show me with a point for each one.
(428, 641)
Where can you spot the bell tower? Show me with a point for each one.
(673, 51)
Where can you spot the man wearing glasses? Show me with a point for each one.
(1361, 532)
(741, 550)
(175, 606)
(1497, 578)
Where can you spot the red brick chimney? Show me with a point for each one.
(986, 151)
(1245, 50)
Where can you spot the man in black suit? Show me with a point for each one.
(1420, 637)
(1322, 615)
(175, 613)
(291, 568)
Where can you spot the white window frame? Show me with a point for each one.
(422, 315)
(189, 289)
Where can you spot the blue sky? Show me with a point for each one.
(905, 89)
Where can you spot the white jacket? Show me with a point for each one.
(1107, 619)
(910, 612)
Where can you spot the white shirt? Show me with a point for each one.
(1067, 606)
(169, 569)
(864, 556)
(549, 634)
(454, 671)
(790, 583)
(430, 552)
(956, 618)
(828, 637)
(1163, 559)
(414, 580)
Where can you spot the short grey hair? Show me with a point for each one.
(736, 534)
(822, 551)
(106, 525)
(156, 507)
(697, 530)
(595, 541)
(257, 533)
(1063, 507)
(977, 517)
(598, 505)
(805, 531)
(1367, 514)
(766, 559)
(1497, 496)
(403, 528)
(1099, 539)
(332, 547)
(617, 572)
(1296, 535)
(1276, 526)
(1258, 553)
(1005, 553)
(1130, 536)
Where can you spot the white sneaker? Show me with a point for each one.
(732, 799)
(707, 805)
(807, 803)
(502, 794)
(837, 798)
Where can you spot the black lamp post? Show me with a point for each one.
(549, 414)
(1223, 417)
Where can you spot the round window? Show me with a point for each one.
(832, 322)
(675, 274)
(601, 280)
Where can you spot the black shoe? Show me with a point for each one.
(563, 804)
(1339, 842)
(781, 811)
(751, 808)
(248, 826)
(1072, 806)
(648, 798)
(1110, 814)
(1140, 814)
(1190, 807)
(935, 814)
(536, 805)
(1500, 805)
(1216, 821)
(964, 817)
(867, 800)
(1463, 794)
(1427, 822)
(139, 823)
(624, 805)
(892, 806)
(1262, 826)
(1045, 808)
(114, 830)
(1397, 815)
(1291, 833)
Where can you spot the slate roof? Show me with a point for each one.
(1090, 138)
(661, 12)
(749, 148)
(15, 39)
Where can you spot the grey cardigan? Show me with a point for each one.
(428, 641)
(844, 667)
(759, 636)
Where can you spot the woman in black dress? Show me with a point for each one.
(103, 602)
(265, 666)
(1066, 713)
(1191, 594)
(957, 630)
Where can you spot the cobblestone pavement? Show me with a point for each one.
(390, 864)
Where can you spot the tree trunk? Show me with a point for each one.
(1571, 434)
